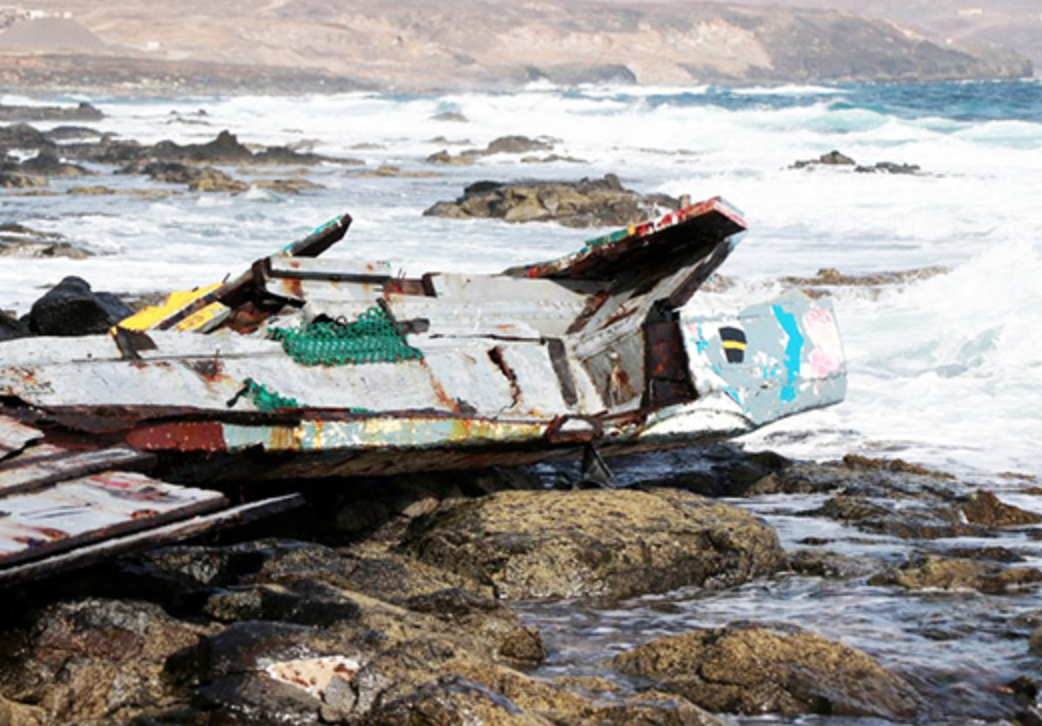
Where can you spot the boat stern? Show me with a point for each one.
(767, 362)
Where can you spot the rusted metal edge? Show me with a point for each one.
(710, 220)
(147, 539)
(313, 245)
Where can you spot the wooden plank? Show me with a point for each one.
(43, 464)
(92, 508)
(176, 531)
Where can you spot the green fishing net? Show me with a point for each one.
(373, 338)
(264, 398)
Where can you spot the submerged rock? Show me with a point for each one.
(831, 277)
(831, 158)
(888, 167)
(295, 185)
(501, 145)
(838, 159)
(17, 240)
(15, 178)
(586, 203)
(938, 573)
(198, 178)
(751, 669)
(48, 163)
(612, 543)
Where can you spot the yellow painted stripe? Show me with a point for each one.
(148, 318)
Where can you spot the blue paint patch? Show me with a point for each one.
(701, 344)
(793, 351)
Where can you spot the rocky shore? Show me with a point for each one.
(424, 600)
(392, 602)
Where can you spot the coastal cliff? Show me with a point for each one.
(426, 45)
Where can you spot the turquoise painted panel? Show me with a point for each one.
(770, 360)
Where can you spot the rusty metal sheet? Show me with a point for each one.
(15, 436)
(596, 334)
(313, 269)
(91, 508)
(702, 224)
(44, 464)
(160, 535)
(361, 433)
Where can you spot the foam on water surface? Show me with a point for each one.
(945, 371)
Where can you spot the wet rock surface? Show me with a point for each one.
(521, 545)
(586, 203)
(936, 573)
(17, 240)
(501, 145)
(392, 602)
(838, 159)
(73, 151)
(752, 669)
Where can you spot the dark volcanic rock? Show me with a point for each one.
(501, 145)
(831, 158)
(116, 152)
(726, 470)
(17, 240)
(225, 149)
(295, 185)
(12, 177)
(24, 136)
(48, 163)
(838, 159)
(904, 500)
(11, 328)
(587, 203)
(888, 167)
(81, 112)
(755, 670)
(613, 543)
(986, 509)
(90, 661)
(72, 308)
(197, 178)
(74, 133)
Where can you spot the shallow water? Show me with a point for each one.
(960, 649)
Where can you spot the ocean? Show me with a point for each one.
(944, 370)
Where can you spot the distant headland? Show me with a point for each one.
(139, 47)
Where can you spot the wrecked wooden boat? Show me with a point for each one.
(304, 368)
